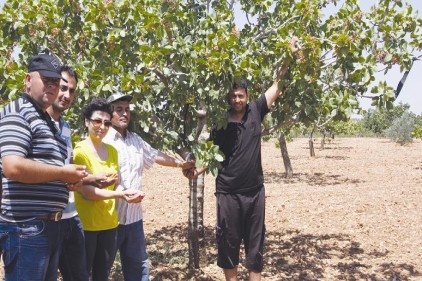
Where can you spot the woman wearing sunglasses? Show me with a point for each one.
(99, 217)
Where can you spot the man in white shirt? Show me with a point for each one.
(135, 155)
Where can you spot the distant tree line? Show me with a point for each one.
(396, 123)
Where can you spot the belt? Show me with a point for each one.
(56, 216)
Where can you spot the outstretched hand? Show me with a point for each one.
(295, 44)
(189, 173)
(193, 172)
(187, 165)
(73, 173)
(110, 178)
(296, 47)
(102, 180)
(133, 196)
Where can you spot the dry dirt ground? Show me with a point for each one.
(352, 212)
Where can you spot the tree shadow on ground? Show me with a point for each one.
(289, 255)
(315, 179)
(336, 157)
(328, 147)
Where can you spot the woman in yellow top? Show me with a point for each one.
(99, 218)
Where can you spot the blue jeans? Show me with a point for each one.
(133, 253)
(30, 250)
(72, 263)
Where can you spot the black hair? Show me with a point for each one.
(96, 104)
(70, 70)
(240, 83)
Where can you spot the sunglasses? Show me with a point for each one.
(99, 122)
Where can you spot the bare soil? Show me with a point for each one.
(352, 212)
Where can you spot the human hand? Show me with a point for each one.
(296, 47)
(110, 178)
(102, 180)
(133, 196)
(73, 173)
(190, 173)
(74, 186)
(187, 165)
(295, 44)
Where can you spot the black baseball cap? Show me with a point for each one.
(119, 96)
(47, 65)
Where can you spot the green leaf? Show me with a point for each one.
(388, 58)
(219, 157)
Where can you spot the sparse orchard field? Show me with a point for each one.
(353, 212)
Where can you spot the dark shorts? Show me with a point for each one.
(241, 217)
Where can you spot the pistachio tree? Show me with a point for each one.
(341, 55)
(178, 59)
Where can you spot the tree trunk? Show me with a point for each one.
(196, 230)
(286, 159)
(196, 234)
(311, 147)
(311, 142)
(322, 141)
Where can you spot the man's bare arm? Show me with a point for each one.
(273, 92)
(29, 171)
(169, 161)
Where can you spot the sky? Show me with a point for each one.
(411, 92)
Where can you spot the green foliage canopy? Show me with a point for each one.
(178, 58)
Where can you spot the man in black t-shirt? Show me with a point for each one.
(240, 191)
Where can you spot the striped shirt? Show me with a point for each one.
(28, 132)
(134, 155)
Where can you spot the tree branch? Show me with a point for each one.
(201, 113)
(328, 63)
(273, 30)
(321, 126)
(289, 122)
